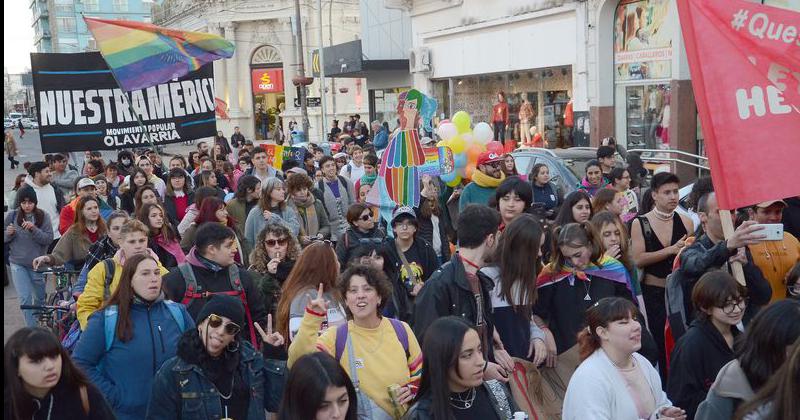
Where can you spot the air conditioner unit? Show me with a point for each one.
(419, 60)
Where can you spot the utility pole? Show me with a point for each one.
(301, 67)
(330, 40)
(322, 95)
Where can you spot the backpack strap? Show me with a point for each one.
(192, 290)
(175, 311)
(110, 267)
(401, 333)
(111, 314)
(84, 399)
(647, 230)
(236, 285)
(341, 340)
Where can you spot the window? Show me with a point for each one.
(147, 7)
(65, 24)
(91, 5)
(120, 5)
(64, 6)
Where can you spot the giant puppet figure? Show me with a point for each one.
(399, 175)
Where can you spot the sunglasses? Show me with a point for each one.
(365, 218)
(215, 321)
(274, 242)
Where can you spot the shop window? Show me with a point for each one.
(647, 116)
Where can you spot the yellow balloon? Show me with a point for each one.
(457, 144)
(455, 182)
(462, 121)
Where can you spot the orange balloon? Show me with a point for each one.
(473, 152)
(469, 170)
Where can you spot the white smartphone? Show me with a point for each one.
(773, 232)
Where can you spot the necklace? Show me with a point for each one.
(633, 362)
(463, 402)
(660, 215)
(470, 263)
(227, 397)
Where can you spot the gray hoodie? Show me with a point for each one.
(730, 389)
(65, 181)
(25, 245)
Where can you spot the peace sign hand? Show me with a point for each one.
(319, 304)
(274, 339)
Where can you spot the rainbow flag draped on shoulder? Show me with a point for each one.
(609, 269)
(142, 54)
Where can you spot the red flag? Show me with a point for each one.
(744, 60)
(221, 109)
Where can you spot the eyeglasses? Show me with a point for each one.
(215, 321)
(365, 217)
(404, 225)
(274, 242)
(731, 305)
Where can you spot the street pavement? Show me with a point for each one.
(30, 150)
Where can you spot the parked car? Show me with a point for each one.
(7, 123)
(561, 174)
(30, 124)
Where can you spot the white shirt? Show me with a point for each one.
(352, 172)
(46, 197)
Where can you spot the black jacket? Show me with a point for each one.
(791, 216)
(425, 230)
(702, 256)
(427, 256)
(447, 292)
(500, 398)
(696, 359)
(67, 404)
(237, 140)
(350, 240)
(175, 288)
(172, 212)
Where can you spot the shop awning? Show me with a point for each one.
(347, 60)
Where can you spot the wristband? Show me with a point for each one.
(315, 313)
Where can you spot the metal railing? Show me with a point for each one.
(701, 162)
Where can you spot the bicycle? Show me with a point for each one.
(56, 318)
(58, 311)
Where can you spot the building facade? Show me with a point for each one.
(59, 26)
(256, 83)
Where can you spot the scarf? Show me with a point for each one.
(609, 269)
(592, 189)
(308, 212)
(194, 258)
(486, 181)
(369, 179)
(173, 247)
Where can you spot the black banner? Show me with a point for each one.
(81, 107)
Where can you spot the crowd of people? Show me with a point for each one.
(218, 286)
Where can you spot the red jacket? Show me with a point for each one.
(500, 112)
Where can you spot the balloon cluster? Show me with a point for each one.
(467, 143)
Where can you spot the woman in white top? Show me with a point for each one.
(613, 381)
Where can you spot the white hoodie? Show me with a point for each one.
(46, 196)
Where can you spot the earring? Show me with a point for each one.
(231, 348)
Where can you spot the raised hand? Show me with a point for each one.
(319, 304)
(275, 338)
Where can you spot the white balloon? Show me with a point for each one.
(447, 131)
(469, 138)
(483, 132)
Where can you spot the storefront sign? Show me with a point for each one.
(643, 32)
(310, 102)
(744, 60)
(81, 106)
(267, 81)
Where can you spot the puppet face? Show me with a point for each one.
(408, 109)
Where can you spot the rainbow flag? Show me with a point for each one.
(142, 55)
(608, 268)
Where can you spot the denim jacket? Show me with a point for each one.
(181, 390)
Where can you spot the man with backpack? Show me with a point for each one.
(210, 269)
(337, 194)
(711, 252)
(103, 279)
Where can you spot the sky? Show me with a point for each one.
(17, 35)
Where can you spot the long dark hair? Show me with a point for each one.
(38, 215)
(35, 343)
(167, 231)
(440, 351)
(123, 296)
(565, 213)
(781, 391)
(761, 351)
(309, 380)
(602, 313)
(517, 256)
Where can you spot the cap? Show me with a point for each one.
(86, 182)
(427, 140)
(27, 194)
(403, 211)
(297, 170)
(248, 142)
(769, 203)
(223, 305)
(340, 155)
(487, 157)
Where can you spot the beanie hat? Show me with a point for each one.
(27, 194)
(223, 305)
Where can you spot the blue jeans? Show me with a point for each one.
(30, 289)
